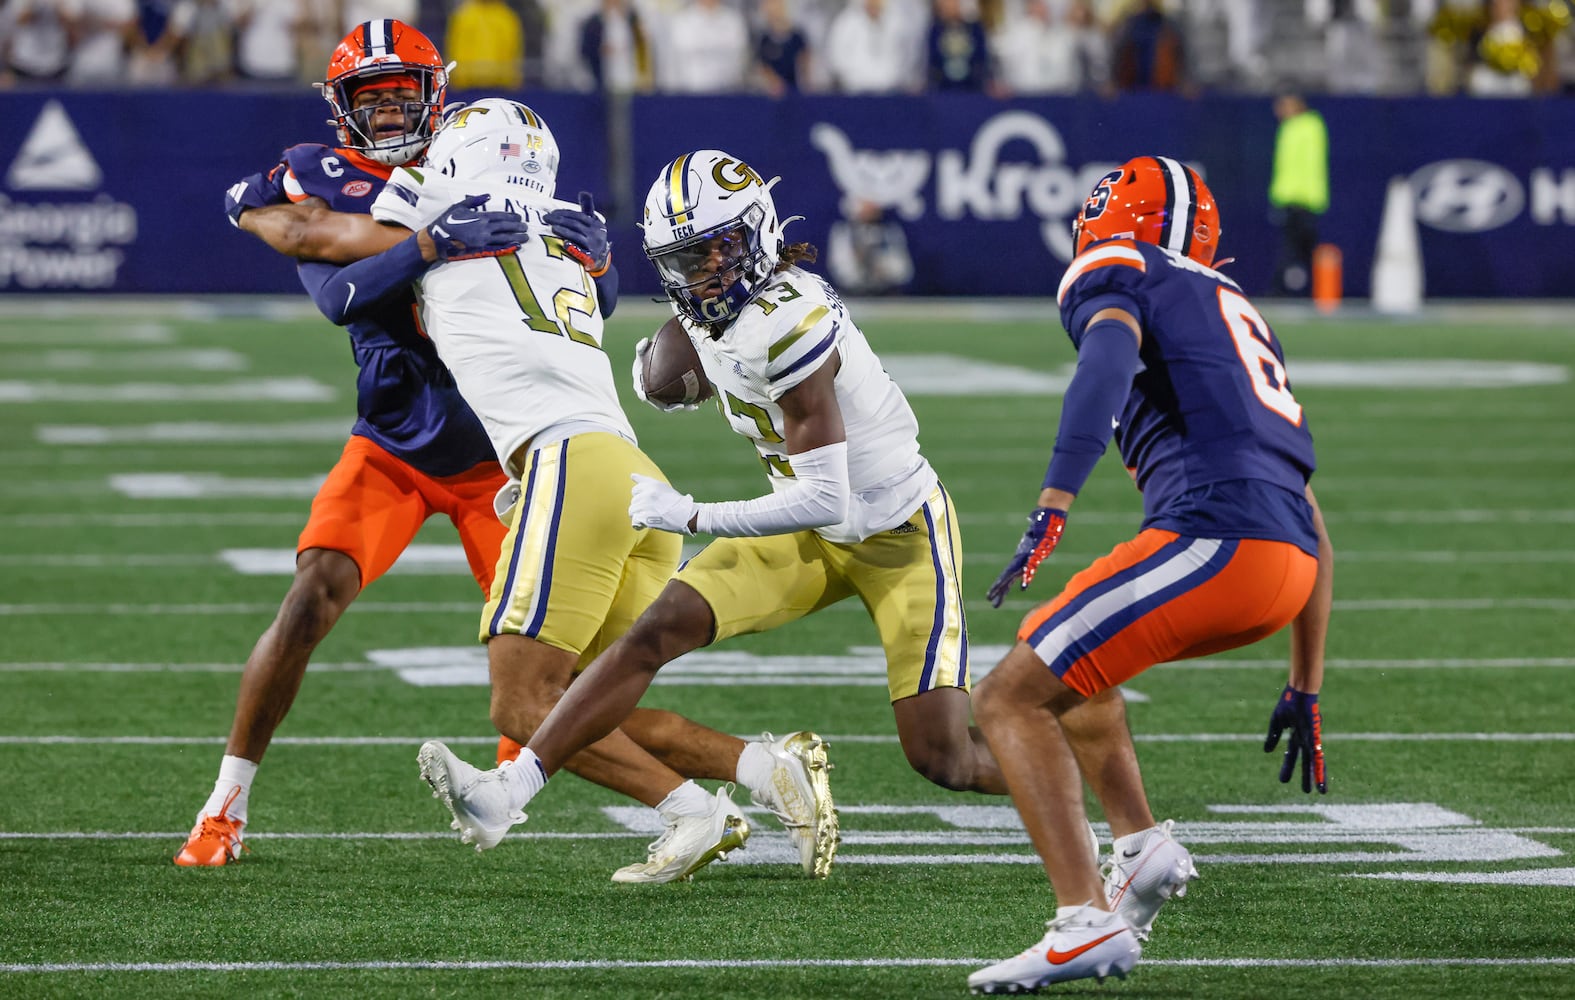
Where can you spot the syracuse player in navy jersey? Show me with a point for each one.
(1232, 549)
(416, 448)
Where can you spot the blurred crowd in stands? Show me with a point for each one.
(1487, 48)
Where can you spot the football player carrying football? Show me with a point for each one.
(416, 449)
(521, 330)
(1232, 549)
(854, 508)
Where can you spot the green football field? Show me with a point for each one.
(158, 460)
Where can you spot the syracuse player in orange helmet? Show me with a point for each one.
(386, 55)
(386, 86)
(416, 448)
(1178, 366)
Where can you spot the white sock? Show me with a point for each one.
(755, 765)
(234, 772)
(688, 799)
(1088, 911)
(524, 776)
(1131, 842)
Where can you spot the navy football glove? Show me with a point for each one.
(1297, 712)
(464, 231)
(584, 234)
(1045, 525)
(255, 191)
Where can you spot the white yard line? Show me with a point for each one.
(103, 560)
(69, 333)
(471, 608)
(78, 359)
(284, 389)
(879, 738)
(728, 964)
(1528, 313)
(1474, 515)
(193, 519)
(186, 433)
(230, 518)
(450, 559)
(40, 610)
(984, 653)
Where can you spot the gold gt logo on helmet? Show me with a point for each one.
(744, 175)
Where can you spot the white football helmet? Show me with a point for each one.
(711, 229)
(498, 139)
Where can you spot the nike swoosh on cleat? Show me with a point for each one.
(1062, 957)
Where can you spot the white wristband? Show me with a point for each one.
(817, 496)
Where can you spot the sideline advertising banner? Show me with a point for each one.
(124, 192)
(933, 195)
(983, 192)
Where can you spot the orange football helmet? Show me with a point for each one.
(386, 52)
(1154, 199)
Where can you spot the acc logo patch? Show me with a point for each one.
(357, 189)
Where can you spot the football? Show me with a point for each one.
(672, 374)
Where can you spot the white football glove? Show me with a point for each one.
(654, 504)
(639, 381)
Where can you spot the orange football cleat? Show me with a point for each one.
(215, 840)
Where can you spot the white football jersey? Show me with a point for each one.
(790, 330)
(522, 333)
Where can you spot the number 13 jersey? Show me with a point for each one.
(1217, 441)
(794, 326)
(522, 332)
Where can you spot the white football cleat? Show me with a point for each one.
(478, 799)
(690, 843)
(1082, 942)
(799, 794)
(1143, 871)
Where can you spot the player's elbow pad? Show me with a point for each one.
(819, 496)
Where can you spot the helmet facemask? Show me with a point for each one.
(713, 275)
(385, 54)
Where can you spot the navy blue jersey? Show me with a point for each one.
(1218, 444)
(406, 400)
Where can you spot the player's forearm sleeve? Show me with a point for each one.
(818, 497)
(1107, 359)
(607, 290)
(345, 294)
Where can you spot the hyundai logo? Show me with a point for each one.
(1466, 196)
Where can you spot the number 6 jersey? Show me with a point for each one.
(522, 332)
(1219, 444)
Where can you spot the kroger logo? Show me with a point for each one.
(974, 183)
(1466, 196)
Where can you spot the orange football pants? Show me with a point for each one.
(1163, 596)
(372, 505)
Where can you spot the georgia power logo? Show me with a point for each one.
(54, 240)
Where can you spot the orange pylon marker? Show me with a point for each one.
(1327, 277)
